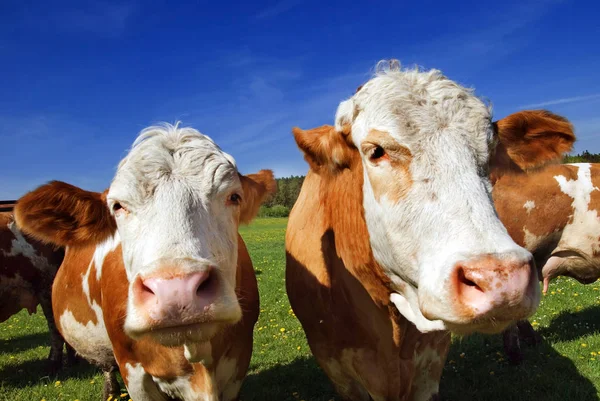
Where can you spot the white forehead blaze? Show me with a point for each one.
(173, 188)
(414, 107)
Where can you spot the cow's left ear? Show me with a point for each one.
(530, 139)
(257, 188)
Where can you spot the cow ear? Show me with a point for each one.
(62, 214)
(257, 188)
(530, 139)
(325, 146)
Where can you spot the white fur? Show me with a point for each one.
(20, 246)
(425, 386)
(141, 387)
(90, 340)
(226, 374)
(409, 308)
(181, 389)
(102, 250)
(529, 206)
(585, 223)
(174, 185)
(447, 215)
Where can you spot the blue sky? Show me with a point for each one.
(79, 80)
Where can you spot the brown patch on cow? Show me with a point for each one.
(67, 290)
(257, 188)
(325, 147)
(62, 214)
(512, 192)
(395, 181)
(529, 140)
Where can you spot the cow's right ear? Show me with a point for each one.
(325, 146)
(62, 214)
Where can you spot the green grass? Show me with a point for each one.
(566, 366)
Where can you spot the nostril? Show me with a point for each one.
(146, 289)
(205, 284)
(464, 280)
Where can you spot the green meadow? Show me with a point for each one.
(566, 366)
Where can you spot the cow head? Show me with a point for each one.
(174, 205)
(424, 144)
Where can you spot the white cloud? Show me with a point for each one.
(564, 100)
(278, 8)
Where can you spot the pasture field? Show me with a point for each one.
(566, 366)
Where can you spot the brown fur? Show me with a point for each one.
(257, 188)
(325, 147)
(62, 214)
(529, 140)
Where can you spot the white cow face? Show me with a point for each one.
(176, 200)
(425, 144)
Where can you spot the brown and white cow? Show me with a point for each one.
(27, 270)
(396, 215)
(553, 212)
(156, 276)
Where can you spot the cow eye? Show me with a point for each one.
(377, 153)
(118, 208)
(235, 199)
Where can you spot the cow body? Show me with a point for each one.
(156, 278)
(27, 270)
(394, 242)
(553, 213)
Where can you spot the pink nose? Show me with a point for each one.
(180, 298)
(492, 287)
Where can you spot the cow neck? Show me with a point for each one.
(342, 200)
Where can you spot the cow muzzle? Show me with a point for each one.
(486, 293)
(177, 306)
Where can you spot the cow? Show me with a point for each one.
(394, 242)
(552, 212)
(156, 278)
(27, 270)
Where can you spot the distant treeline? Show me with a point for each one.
(288, 188)
(280, 204)
(584, 157)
